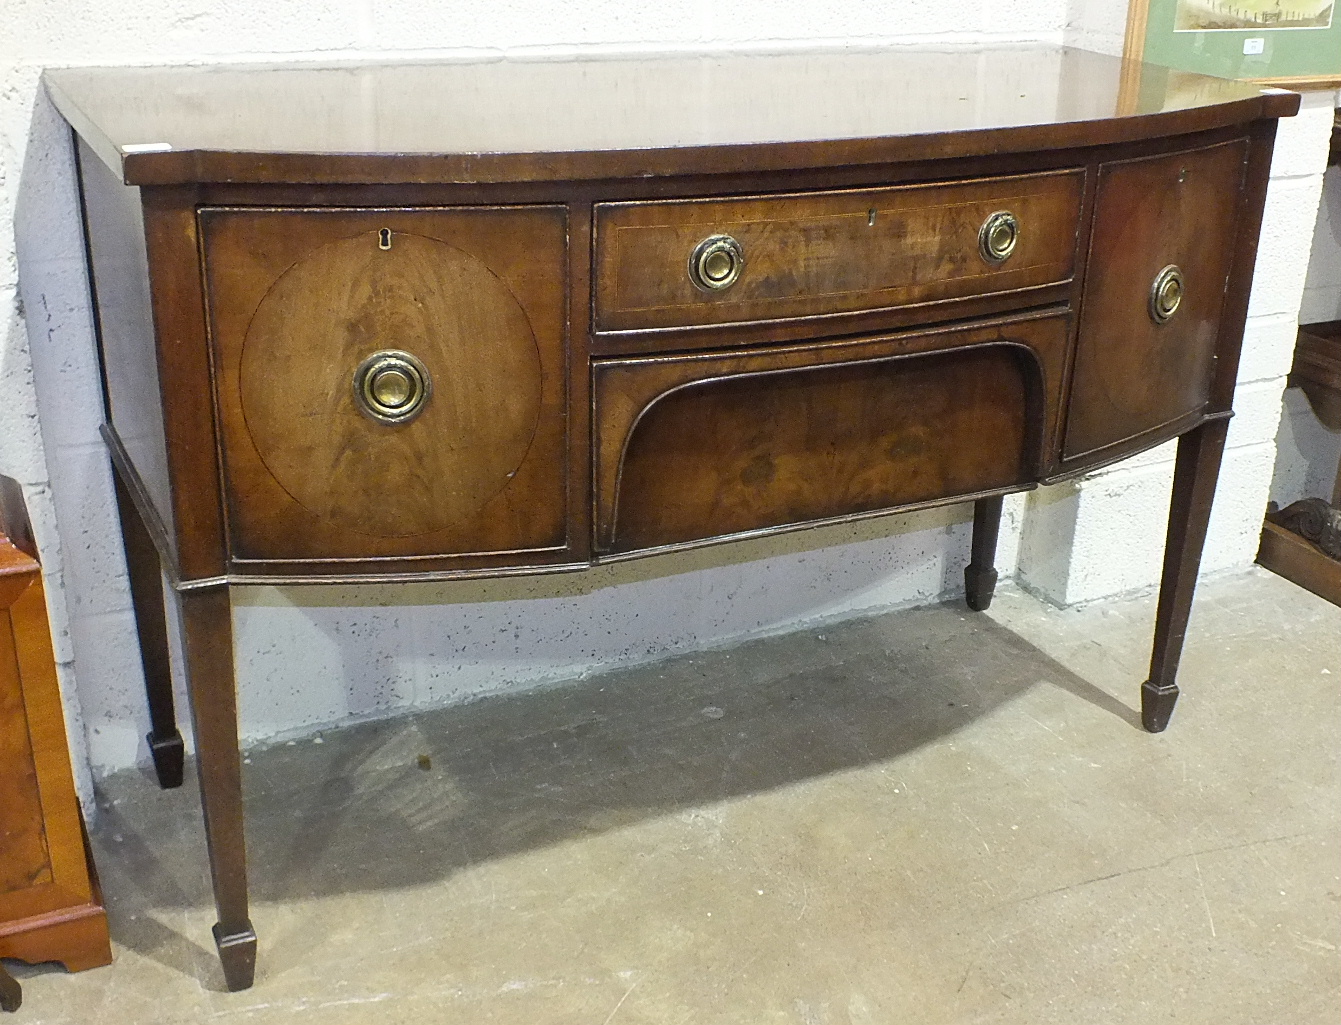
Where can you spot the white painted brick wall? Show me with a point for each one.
(1308, 453)
(1322, 289)
(1099, 25)
(1105, 534)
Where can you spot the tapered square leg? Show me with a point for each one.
(1194, 477)
(980, 574)
(146, 591)
(207, 625)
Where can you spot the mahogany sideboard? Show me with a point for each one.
(384, 322)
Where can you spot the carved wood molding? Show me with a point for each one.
(1314, 520)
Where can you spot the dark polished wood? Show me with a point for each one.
(524, 242)
(1297, 559)
(11, 993)
(1315, 520)
(476, 294)
(801, 434)
(146, 592)
(1195, 472)
(564, 119)
(50, 907)
(980, 574)
(838, 252)
(207, 639)
(119, 282)
(1132, 374)
(1317, 370)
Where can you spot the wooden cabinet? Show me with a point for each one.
(412, 321)
(50, 909)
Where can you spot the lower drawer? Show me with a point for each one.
(708, 446)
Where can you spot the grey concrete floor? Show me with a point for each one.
(928, 816)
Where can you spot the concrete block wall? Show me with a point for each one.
(1104, 534)
(1308, 453)
(308, 657)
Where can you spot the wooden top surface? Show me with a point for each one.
(554, 119)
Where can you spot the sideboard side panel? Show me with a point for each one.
(1252, 201)
(124, 322)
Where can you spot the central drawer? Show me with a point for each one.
(684, 263)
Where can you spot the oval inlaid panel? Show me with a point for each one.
(342, 303)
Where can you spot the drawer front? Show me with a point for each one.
(696, 447)
(391, 382)
(1137, 370)
(829, 253)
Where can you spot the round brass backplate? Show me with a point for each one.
(997, 236)
(716, 263)
(1166, 294)
(392, 387)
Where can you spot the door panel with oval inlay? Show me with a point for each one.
(390, 382)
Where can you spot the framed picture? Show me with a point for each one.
(1292, 43)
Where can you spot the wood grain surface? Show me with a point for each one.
(45, 879)
(835, 252)
(124, 321)
(24, 858)
(1131, 374)
(705, 446)
(342, 303)
(603, 117)
(299, 298)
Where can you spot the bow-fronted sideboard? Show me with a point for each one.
(383, 322)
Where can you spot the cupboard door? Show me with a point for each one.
(1169, 223)
(391, 382)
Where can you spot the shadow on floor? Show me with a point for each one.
(409, 801)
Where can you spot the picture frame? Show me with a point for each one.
(1295, 44)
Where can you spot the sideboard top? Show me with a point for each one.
(552, 119)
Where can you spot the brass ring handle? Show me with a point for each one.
(716, 263)
(392, 387)
(1166, 294)
(997, 236)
